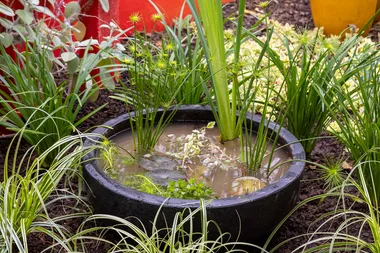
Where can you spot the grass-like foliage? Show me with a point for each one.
(309, 77)
(344, 238)
(183, 55)
(179, 236)
(149, 94)
(358, 123)
(43, 108)
(213, 42)
(232, 87)
(27, 190)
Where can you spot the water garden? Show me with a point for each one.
(225, 129)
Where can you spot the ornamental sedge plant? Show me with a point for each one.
(186, 56)
(358, 123)
(180, 235)
(151, 91)
(27, 190)
(309, 78)
(341, 240)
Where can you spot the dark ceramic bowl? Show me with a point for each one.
(253, 216)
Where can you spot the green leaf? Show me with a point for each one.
(26, 16)
(72, 9)
(72, 66)
(107, 80)
(68, 56)
(6, 23)
(45, 11)
(79, 31)
(57, 41)
(6, 10)
(105, 5)
(21, 30)
(31, 34)
(6, 39)
(210, 125)
(89, 82)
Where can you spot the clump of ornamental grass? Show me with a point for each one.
(149, 95)
(333, 173)
(27, 191)
(250, 50)
(296, 59)
(349, 219)
(308, 75)
(358, 124)
(180, 234)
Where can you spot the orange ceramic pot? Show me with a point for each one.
(377, 8)
(336, 15)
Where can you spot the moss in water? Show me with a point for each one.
(176, 189)
(188, 190)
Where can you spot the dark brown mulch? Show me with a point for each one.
(296, 12)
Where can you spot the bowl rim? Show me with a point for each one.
(294, 172)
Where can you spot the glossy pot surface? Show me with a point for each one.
(336, 15)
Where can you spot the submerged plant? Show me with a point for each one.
(188, 190)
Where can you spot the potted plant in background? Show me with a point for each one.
(53, 74)
(238, 215)
(60, 35)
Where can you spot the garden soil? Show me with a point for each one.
(296, 12)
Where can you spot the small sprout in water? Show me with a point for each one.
(144, 184)
(210, 125)
(108, 153)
